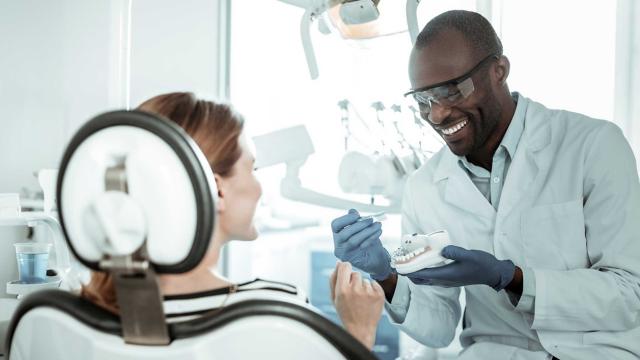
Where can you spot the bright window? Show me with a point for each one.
(271, 86)
(562, 52)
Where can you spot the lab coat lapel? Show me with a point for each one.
(461, 192)
(529, 162)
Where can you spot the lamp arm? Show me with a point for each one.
(291, 188)
(307, 45)
(412, 19)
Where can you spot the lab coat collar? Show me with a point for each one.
(516, 126)
(530, 162)
(535, 136)
(537, 128)
(509, 142)
(461, 191)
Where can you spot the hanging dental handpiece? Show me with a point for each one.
(395, 108)
(418, 157)
(344, 119)
(377, 140)
(379, 107)
(350, 136)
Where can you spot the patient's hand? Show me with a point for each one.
(358, 301)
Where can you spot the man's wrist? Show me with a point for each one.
(389, 286)
(515, 286)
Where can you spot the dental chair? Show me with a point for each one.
(136, 198)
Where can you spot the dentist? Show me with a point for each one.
(542, 206)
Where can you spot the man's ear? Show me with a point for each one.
(502, 70)
(220, 184)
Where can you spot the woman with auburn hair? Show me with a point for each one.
(218, 131)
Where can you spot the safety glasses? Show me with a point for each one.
(447, 93)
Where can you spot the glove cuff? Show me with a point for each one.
(506, 271)
(382, 276)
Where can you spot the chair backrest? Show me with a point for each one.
(58, 325)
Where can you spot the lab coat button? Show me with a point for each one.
(496, 180)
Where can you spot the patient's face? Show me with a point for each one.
(242, 192)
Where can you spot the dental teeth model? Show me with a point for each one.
(417, 252)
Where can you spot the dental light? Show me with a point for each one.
(359, 11)
(353, 19)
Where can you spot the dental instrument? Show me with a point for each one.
(376, 217)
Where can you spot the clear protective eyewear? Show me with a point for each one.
(447, 93)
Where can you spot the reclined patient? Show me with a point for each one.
(218, 131)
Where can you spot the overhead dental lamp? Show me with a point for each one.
(359, 11)
(353, 19)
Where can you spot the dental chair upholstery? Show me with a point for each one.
(136, 199)
(53, 324)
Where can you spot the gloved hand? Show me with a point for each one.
(471, 267)
(358, 242)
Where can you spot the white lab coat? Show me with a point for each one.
(569, 213)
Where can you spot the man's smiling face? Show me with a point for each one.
(466, 126)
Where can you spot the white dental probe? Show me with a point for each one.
(376, 217)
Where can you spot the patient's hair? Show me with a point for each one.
(215, 127)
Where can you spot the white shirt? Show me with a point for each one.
(189, 306)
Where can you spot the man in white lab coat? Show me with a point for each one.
(542, 206)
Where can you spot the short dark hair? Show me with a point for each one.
(473, 26)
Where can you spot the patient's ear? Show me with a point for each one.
(221, 184)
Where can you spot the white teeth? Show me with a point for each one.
(406, 254)
(454, 129)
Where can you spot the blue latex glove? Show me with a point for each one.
(358, 242)
(471, 267)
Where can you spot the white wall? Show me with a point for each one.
(54, 74)
(627, 111)
(175, 48)
(634, 73)
(61, 64)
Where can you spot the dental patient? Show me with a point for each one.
(218, 131)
